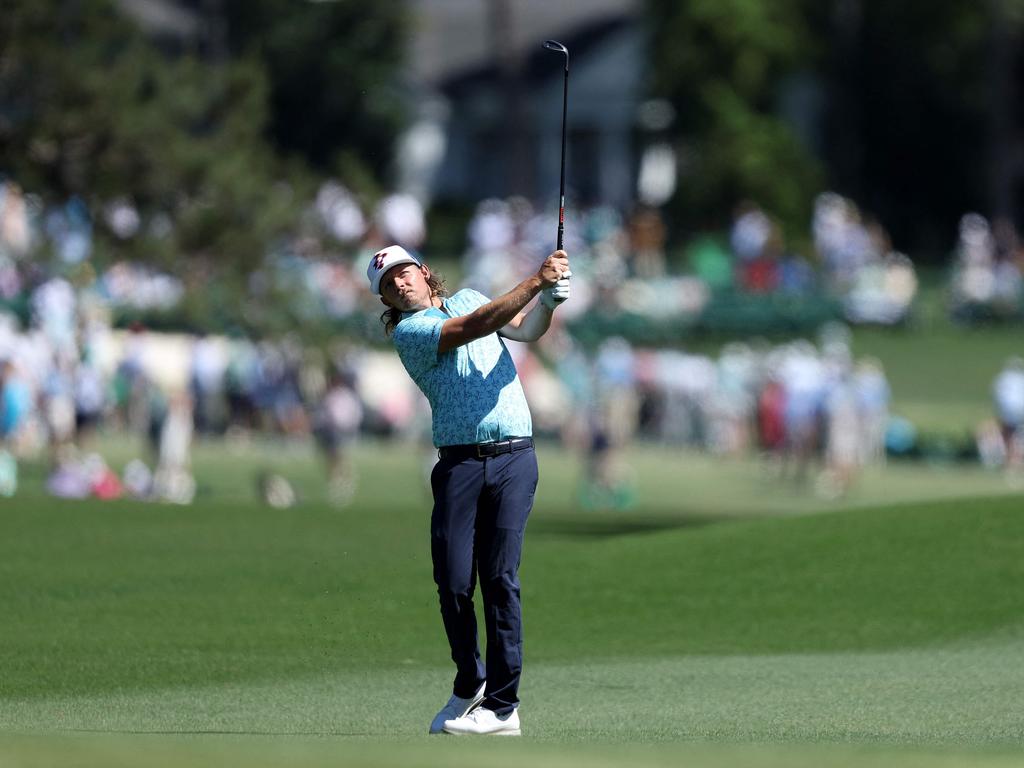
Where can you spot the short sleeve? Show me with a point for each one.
(416, 340)
(475, 298)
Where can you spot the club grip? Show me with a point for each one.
(561, 224)
(561, 233)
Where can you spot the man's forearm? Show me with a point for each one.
(534, 324)
(497, 313)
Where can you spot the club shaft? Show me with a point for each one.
(561, 183)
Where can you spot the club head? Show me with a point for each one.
(554, 45)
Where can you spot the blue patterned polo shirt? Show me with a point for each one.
(474, 391)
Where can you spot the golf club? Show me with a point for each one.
(554, 45)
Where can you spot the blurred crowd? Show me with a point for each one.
(68, 373)
(62, 381)
(805, 407)
(812, 411)
(63, 234)
(620, 261)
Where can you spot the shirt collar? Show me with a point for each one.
(407, 315)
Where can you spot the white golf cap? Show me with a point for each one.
(384, 260)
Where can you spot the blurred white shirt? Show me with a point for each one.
(1008, 392)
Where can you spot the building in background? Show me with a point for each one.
(489, 97)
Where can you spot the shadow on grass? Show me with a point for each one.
(587, 525)
(212, 732)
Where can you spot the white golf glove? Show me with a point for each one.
(557, 293)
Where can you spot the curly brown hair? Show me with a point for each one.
(391, 317)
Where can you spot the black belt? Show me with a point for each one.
(483, 450)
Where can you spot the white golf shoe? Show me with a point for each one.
(484, 722)
(456, 708)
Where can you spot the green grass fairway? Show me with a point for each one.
(728, 620)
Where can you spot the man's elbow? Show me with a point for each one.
(515, 334)
(524, 334)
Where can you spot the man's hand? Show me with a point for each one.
(503, 313)
(553, 269)
(556, 294)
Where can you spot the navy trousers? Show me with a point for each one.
(477, 526)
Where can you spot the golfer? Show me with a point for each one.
(486, 474)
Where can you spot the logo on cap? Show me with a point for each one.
(378, 259)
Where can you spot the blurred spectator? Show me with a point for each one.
(240, 381)
(990, 444)
(206, 383)
(15, 405)
(340, 212)
(614, 389)
(8, 474)
(285, 390)
(492, 228)
(647, 243)
(10, 278)
(489, 257)
(122, 217)
(873, 394)
(15, 234)
(842, 450)
(132, 386)
(612, 422)
(882, 291)
(840, 238)
(796, 277)
(400, 219)
(761, 273)
(336, 421)
(1008, 399)
(733, 403)
(173, 479)
(1009, 259)
(710, 263)
(90, 399)
(53, 310)
(986, 280)
(804, 380)
(750, 233)
(975, 259)
(58, 404)
(69, 228)
(688, 382)
(771, 417)
(153, 406)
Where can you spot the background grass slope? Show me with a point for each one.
(118, 597)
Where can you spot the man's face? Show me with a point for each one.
(405, 288)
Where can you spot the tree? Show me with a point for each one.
(911, 93)
(333, 78)
(92, 109)
(719, 62)
(920, 116)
